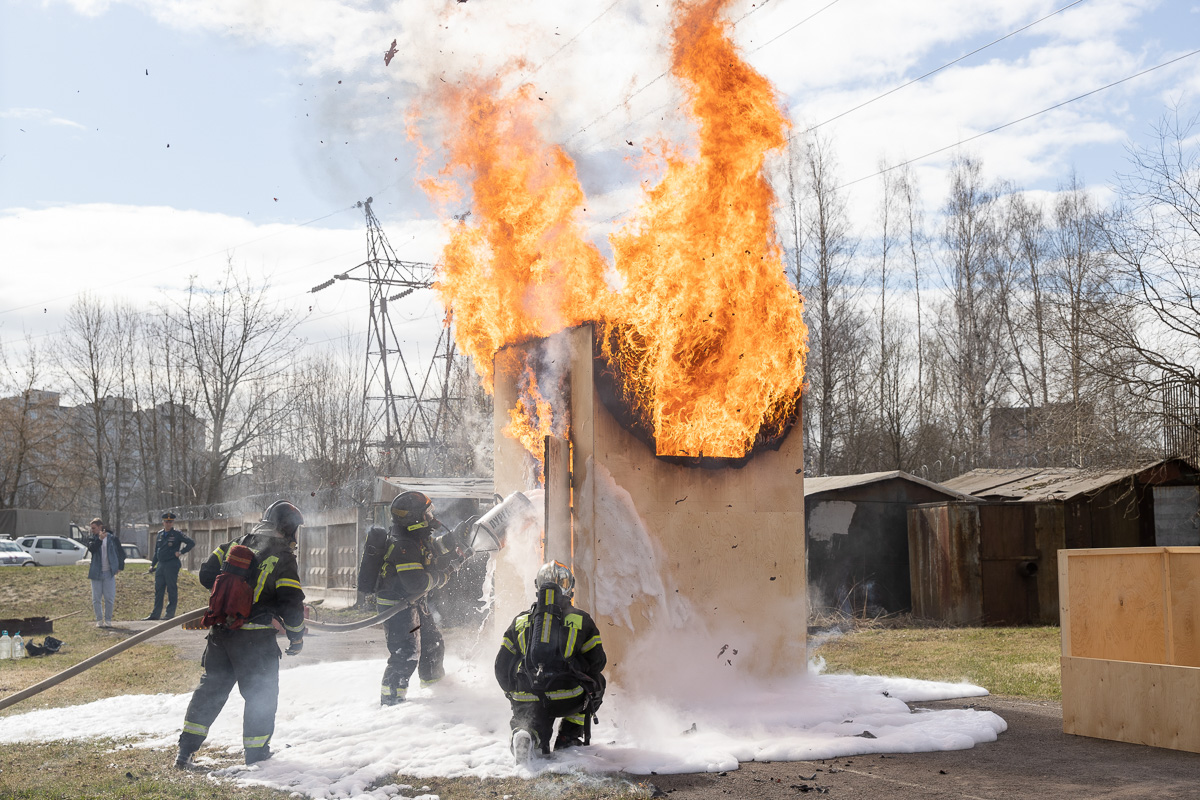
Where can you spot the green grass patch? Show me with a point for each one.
(58, 591)
(1013, 662)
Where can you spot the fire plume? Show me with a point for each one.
(523, 270)
(705, 335)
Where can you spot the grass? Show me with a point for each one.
(1011, 662)
(57, 591)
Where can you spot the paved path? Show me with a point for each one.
(1032, 759)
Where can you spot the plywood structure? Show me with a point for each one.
(1130, 655)
(720, 551)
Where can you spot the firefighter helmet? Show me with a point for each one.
(555, 573)
(283, 517)
(410, 510)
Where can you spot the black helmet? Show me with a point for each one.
(283, 517)
(557, 574)
(412, 511)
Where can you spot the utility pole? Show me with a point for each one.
(407, 418)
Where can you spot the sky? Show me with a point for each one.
(146, 143)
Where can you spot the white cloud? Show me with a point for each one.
(39, 115)
(147, 255)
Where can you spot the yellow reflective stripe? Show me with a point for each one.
(417, 526)
(592, 642)
(546, 627)
(549, 599)
(387, 691)
(380, 601)
(220, 554)
(522, 626)
(264, 572)
(255, 741)
(564, 694)
(254, 626)
(409, 566)
(570, 648)
(293, 584)
(576, 718)
(524, 697)
(574, 623)
(509, 646)
(294, 628)
(195, 727)
(429, 683)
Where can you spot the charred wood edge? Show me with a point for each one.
(610, 387)
(104, 655)
(163, 627)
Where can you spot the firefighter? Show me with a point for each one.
(247, 655)
(400, 567)
(169, 545)
(550, 665)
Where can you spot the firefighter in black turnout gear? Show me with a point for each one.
(241, 645)
(400, 567)
(550, 665)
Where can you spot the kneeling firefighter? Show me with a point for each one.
(254, 581)
(550, 665)
(401, 566)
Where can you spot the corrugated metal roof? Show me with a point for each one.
(814, 486)
(1031, 485)
(438, 488)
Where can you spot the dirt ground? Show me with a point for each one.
(1032, 759)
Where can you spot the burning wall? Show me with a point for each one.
(683, 566)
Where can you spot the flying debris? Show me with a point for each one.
(390, 54)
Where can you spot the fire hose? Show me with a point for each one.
(163, 627)
(491, 528)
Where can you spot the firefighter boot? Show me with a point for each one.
(257, 754)
(523, 746)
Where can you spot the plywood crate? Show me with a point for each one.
(1130, 651)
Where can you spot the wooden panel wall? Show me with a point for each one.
(733, 539)
(1131, 661)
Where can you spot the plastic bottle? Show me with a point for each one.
(18, 646)
(5, 646)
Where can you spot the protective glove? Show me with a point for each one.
(151, 572)
(362, 600)
(295, 647)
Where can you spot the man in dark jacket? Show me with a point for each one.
(247, 655)
(399, 565)
(108, 558)
(550, 665)
(169, 545)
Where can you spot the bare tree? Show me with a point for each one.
(973, 354)
(35, 471)
(835, 324)
(1152, 340)
(238, 345)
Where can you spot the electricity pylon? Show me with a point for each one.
(407, 419)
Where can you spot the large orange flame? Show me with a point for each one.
(706, 332)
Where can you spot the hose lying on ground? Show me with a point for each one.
(103, 655)
(164, 626)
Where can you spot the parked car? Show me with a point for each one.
(132, 554)
(52, 551)
(11, 555)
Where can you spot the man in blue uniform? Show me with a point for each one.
(169, 545)
(245, 653)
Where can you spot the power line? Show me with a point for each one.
(786, 31)
(1015, 121)
(943, 66)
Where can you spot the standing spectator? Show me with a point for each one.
(108, 558)
(169, 545)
